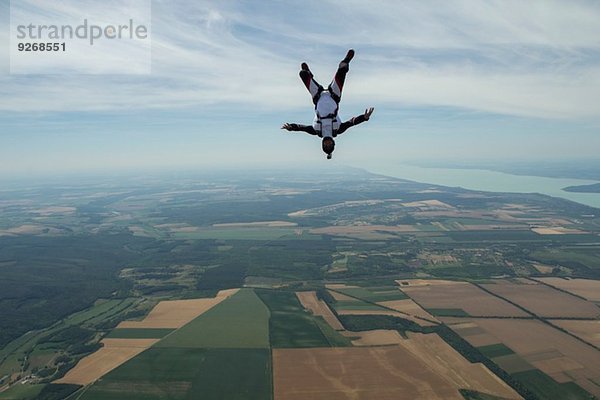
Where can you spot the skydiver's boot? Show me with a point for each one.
(349, 56)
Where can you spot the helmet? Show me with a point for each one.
(328, 145)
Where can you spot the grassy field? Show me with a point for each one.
(290, 325)
(374, 294)
(589, 259)
(184, 373)
(356, 305)
(547, 388)
(495, 350)
(236, 233)
(241, 321)
(448, 312)
(134, 333)
(22, 392)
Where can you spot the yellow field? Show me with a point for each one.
(176, 313)
(114, 353)
(411, 308)
(422, 367)
(587, 288)
(377, 337)
(318, 307)
(166, 314)
(270, 224)
(556, 230)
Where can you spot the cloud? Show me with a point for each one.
(535, 58)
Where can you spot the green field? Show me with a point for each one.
(474, 395)
(237, 233)
(290, 325)
(241, 321)
(447, 312)
(135, 333)
(569, 258)
(546, 388)
(374, 294)
(189, 373)
(495, 350)
(22, 392)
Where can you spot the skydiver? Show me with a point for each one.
(327, 123)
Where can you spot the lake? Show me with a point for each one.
(490, 181)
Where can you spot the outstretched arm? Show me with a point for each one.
(297, 127)
(355, 120)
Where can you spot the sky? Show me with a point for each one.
(449, 80)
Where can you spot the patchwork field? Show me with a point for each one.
(184, 373)
(543, 300)
(373, 294)
(587, 288)
(176, 313)
(560, 356)
(240, 321)
(113, 353)
(411, 308)
(318, 307)
(290, 325)
(423, 367)
(438, 295)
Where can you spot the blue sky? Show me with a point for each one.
(455, 80)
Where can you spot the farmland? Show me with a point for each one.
(447, 298)
(538, 348)
(167, 288)
(543, 300)
(390, 372)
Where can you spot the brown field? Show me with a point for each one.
(30, 229)
(114, 353)
(492, 227)
(429, 204)
(543, 268)
(543, 300)
(463, 295)
(422, 367)
(344, 229)
(377, 337)
(587, 330)
(270, 224)
(338, 286)
(556, 230)
(587, 288)
(462, 326)
(54, 210)
(318, 307)
(176, 313)
(552, 351)
(411, 308)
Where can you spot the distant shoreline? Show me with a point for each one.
(593, 188)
